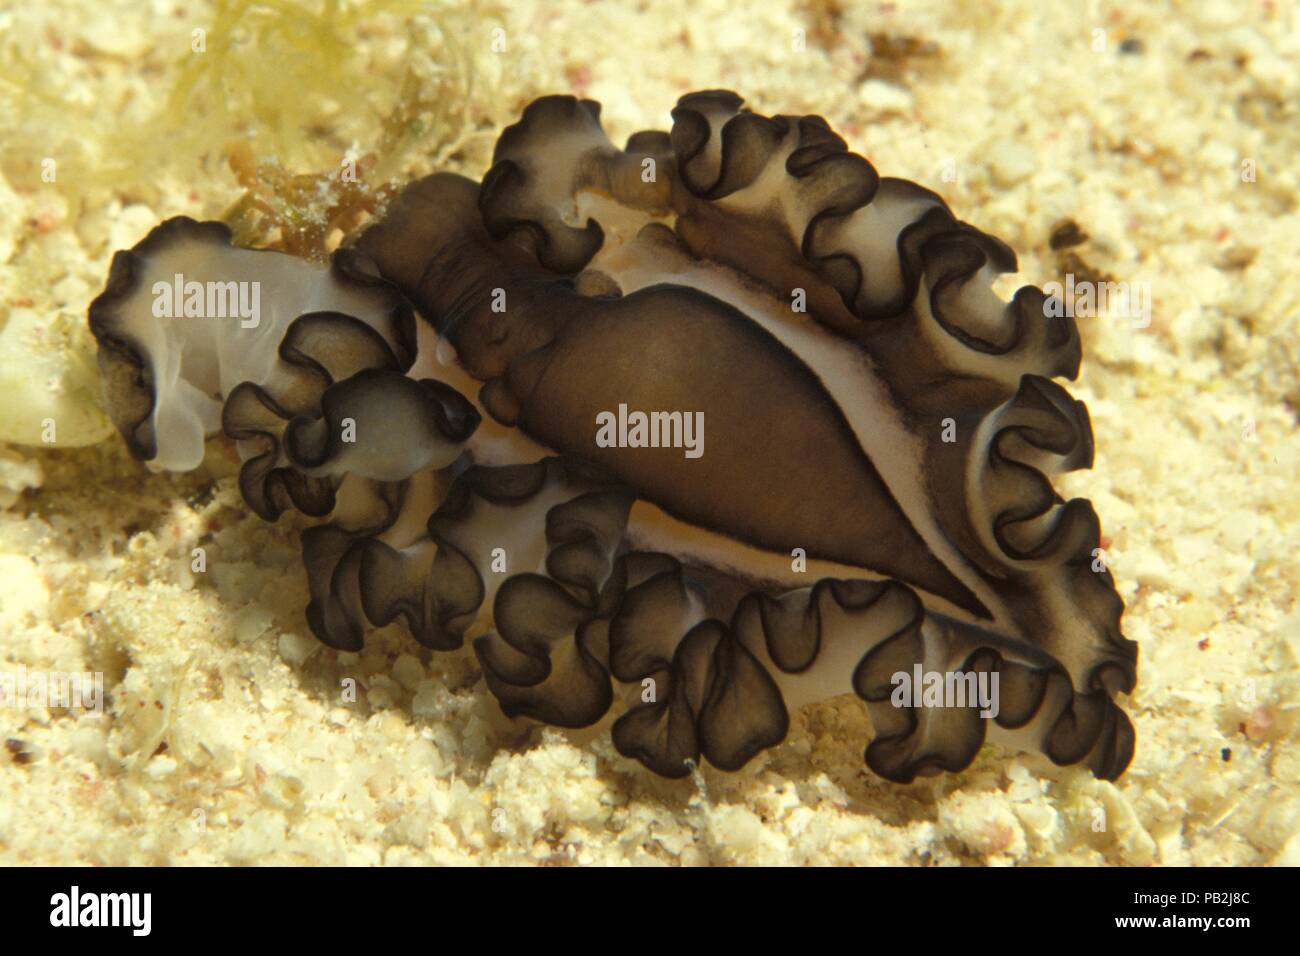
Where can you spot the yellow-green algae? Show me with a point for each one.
(251, 110)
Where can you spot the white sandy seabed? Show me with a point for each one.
(224, 738)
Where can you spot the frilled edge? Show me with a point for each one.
(837, 213)
(539, 165)
(722, 691)
(883, 261)
(1037, 543)
(459, 567)
(127, 368)
(129, 396)
(318, 351)
(1069, 723)
(710, 685)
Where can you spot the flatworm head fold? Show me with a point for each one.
(185, 317)
(873, 503)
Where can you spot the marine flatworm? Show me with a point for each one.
(874, 498)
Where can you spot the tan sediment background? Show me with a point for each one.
(1167, 135)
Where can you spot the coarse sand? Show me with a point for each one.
(1166, 134)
